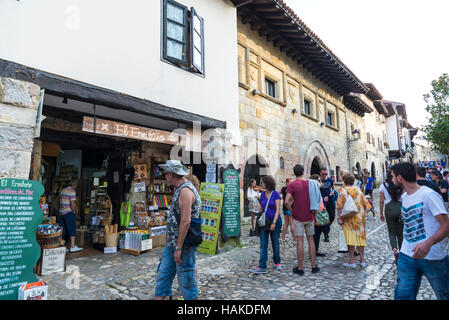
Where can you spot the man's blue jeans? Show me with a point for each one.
(274, 242)
(168, 268)
(410, 272)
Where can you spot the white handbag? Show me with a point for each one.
(342, 246)
(349, 209)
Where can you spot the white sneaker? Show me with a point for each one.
(362, 264)
(350, 265)
(75, 249)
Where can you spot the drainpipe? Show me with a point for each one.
(347, 142)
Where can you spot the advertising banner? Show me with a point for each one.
(211, 205)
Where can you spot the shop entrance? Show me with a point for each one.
(98, 163)
(253, 170)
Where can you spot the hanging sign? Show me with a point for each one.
(231, 204)
(125, 130)
(211, 201)
(20, 216)
(211, 172)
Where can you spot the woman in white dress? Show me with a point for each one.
(253, 205)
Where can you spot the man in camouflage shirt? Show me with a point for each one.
(176, 257)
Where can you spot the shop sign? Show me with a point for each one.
(125, 130)
(20, 215)
(231, 204)
(211, 204)
(53, 260)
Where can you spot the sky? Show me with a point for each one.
(398, 45)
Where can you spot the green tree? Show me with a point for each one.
(437, 130)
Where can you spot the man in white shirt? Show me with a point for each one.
(424, 247)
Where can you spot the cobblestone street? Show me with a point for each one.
(226, 275)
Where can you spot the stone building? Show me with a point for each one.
(298, 103)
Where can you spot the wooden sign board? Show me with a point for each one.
(125, 130)
(20, 214)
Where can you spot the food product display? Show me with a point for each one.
(49, 236)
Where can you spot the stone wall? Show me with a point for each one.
(279, 127)
(19, 102)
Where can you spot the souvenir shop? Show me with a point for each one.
(122, 196)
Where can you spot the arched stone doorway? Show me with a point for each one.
(373, 170)
(316, 155)
(255, 168)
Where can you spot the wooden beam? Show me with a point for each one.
(73, 89)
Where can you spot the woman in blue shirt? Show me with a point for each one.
(270, 203)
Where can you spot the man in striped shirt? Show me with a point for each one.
(67, 214)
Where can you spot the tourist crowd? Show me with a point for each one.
(413, 207)
(413, 203)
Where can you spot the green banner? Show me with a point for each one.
(20, 214)
(231, 204)
(211, 203)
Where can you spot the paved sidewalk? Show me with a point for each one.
(226, 276)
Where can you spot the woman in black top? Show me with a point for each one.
(391, 195)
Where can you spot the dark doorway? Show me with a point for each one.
(316, 166)
(252, 171)
(358, 168)
(373, 171)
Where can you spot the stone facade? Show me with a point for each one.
(19, 102)
(283, 127)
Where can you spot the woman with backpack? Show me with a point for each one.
(390, 195)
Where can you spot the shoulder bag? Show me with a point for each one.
(194, 236)
(322, 216)
(349, 209)
(262, 221)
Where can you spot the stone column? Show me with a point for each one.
(19, 102)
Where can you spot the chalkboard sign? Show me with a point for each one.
(231, 204)
(20, 215)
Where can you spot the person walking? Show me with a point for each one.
(422, 181)
(424, 247)
(253, 205)
(270, 203)
(298, 202)
(327, 185)
(178, 258)
(286, 212)
(390, 195)
(358, 181)
(67, 215)
(437, 177)
(446, 175)
(353, 227)
(318, 229)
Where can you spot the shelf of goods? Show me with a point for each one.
(135, 241)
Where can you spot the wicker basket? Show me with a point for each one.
(49, 243)
(111, 239)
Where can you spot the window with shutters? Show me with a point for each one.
(183, 37)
